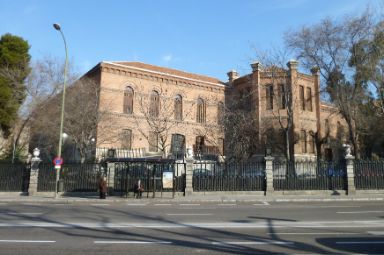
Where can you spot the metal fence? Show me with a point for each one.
(80, 177)
(213, 176)
(46, 178)
(309, 175)
(14, 177)
(369, 174)
(151, 173)
(73, 177)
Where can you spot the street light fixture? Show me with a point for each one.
(58, 28)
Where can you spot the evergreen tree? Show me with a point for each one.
(14, 68)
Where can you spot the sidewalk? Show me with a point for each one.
(222, 198)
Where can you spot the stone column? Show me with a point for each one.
(111, 177)
(351, 189)
(269, 174)
(33, 177)
(189, 176)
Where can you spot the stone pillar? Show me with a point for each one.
(269, 174)
(33, 177)
(351, 189)
(111, 177)
(189, 176)
(232, 75)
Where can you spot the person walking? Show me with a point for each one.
(103, 187)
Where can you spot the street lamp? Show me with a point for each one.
(58, 28)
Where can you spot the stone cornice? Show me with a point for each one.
(159, 76)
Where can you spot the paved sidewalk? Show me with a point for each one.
(224, 198)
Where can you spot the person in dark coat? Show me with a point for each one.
(103, 187)
(138, 189)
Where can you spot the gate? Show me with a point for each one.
(162, 176)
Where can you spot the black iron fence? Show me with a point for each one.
(80, 177)
(369, 174)
(213, 176)
(154, 175)
(309, 175)
(73, 177)
(14, 177)
(46, 178)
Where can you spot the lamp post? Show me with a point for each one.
(58, 28)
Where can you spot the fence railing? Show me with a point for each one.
(14, 177)
(369, 174)
(151, 175)
(209, 176)
(309, 175)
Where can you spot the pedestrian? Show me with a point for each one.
(138, 189)
(103, 187)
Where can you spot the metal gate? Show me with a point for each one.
(158, 176)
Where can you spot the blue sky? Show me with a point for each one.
(207, 37)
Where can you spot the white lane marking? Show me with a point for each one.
(189, 214)
(61, 204)
(161, 204)
(137, 204)
(362, 242)
(227, 204)
(3, 203)
(207, 225)
(99, 204)
(31, 204)
(15, 214)
(26, 241)
(376, 233)
(131, 242)
(263, 203)
(189, 204)
(363, 212)
(308, 233)
(251, 243)
(337, 206)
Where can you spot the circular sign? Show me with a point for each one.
(58, 161)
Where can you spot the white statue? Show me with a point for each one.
(347, 149)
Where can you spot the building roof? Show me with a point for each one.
(169, 71)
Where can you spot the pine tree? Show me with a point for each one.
(14, 68)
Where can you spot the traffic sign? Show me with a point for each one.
(58, 161)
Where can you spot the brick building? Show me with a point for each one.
(166, 110)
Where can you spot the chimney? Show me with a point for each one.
(232, 75)
(256, 66)
(292, 64)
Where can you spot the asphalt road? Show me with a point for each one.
(192, 228)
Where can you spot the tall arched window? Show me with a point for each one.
(201, 111)
(220, 113)
(128, 100)
(154, 104)
(178, 107)
(303, 141)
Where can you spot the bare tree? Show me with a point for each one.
(330, 45)
(157, 111)
(43, 83)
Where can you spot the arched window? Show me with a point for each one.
(303, 141)
(154, 104)
(220, 113)
(201, 111)
(178, 107)
(178, 146)
(128, 100)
